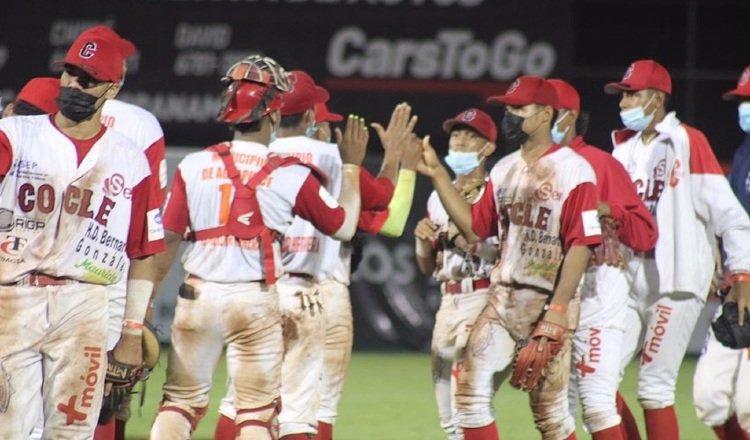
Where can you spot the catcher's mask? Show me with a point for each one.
(252, 90)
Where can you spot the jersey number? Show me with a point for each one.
(226, 199)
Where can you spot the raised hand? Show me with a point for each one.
(353, 142)
(412, 153)
(400, 127)
(429, 165)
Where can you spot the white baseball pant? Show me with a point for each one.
(246, 318)
(52, 356)
(453, 323)
(721, 383)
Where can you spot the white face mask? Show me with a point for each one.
(557, 135)
(636, 118)
(464, 162)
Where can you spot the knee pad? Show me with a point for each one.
(192, 414)
(264, 416)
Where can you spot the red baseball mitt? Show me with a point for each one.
(532, 356)
(609, 252)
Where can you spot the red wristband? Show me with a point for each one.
(740, 277)
(558, 308)
(131, 324)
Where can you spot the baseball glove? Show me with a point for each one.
(609, 251)
(727, 327)
(123, 377)
(532, 358)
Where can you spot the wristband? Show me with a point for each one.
(350, 167)
(557, 307)
(132, 324)
(740, 277)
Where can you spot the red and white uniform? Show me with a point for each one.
(464, 283)
(538, 211)
(227, 275)
(681, 182)
(76, 211)
(605, 295)
(140, 126)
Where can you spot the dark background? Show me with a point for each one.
(464, 51)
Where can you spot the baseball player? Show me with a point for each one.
(604, 292)
(313, 258)
(540, 202)
(722, 373)
(78, 201)
(37, 97)
(679, 179)
(463, 270)
(235, 198)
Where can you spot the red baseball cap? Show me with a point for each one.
(41, 93)
(526, 90)
(303, 96)
(567, 95)
(642, 74)
(476, 119)
(126, 47)
(97, 56)
(743, 87)
(322, 114)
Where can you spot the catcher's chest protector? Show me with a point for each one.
(245, 219)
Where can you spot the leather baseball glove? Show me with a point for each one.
(123, 377)
(532, 357)
(609, 251)
(727, 327)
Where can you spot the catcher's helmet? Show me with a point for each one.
(252, 90)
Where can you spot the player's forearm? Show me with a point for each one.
(389, 167)
(574, 265)
(457, 208)
(164, 260)
(425, 256)
(400, 206)
(350, 201)
(140, 284)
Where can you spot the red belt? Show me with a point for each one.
(37, 279)
(454, 287)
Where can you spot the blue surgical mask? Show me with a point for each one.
(744, 112)
(636, 119)
(463, 162)
(311, 130)
(272, 138)
(557, 135)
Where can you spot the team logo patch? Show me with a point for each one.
(88, 50)
(546, 191)
(629, 72)
(591, 224)
(114, 185)
(6, 219)
(469, 115)
(13, 245)
(744, 78)
(513, 87)
(155, 229)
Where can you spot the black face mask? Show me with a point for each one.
(75, 104)
(511, 127)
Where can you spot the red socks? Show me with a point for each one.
(105, 432)
(325, 431)
(628, 425)
(296, 437)
(225, 428)
(120, 429)
(662, 424)
(734, 431)
(488, 432)
(612, 433)
(572, 436)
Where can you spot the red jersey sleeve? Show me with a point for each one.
(315, 204)
(155, 155)
(376, 193)
(702, 157)
(484, 214)
(637, 226)
(146, 236)
(176, 213)
(372, 221)
(579, 220)
(6, 154)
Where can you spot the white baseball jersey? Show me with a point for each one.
(456, 265)
(142, 127)
(107, 206)
(303, 246)
(539, 211)
(201, 196)
(648, 166)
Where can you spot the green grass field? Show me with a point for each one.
(388, 396)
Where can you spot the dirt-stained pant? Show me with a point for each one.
(512, 315)
(453, 322)
(665, 322)
(246, 318)
(339, 335)
(52, 356)
(721, 383)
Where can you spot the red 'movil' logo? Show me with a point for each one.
(629, 72)
(72, 413)
(583, 368)
(88, 50)
(114, 185)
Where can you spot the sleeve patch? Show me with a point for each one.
(591, 226)
(155, 229)
(327, 198)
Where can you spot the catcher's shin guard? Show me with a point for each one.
(176, 421)
(253, 422)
